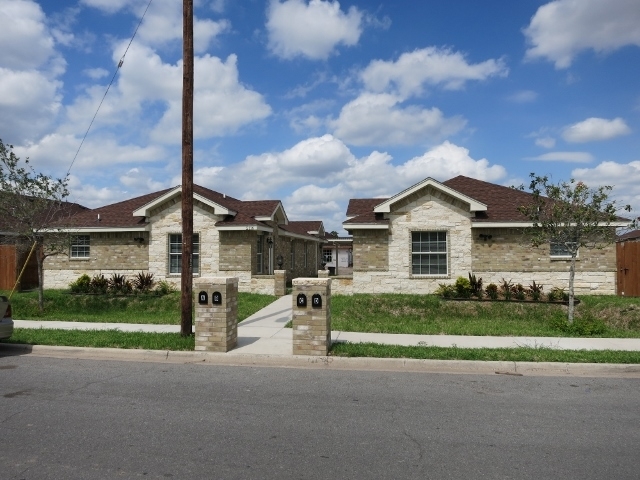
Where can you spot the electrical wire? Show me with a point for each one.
(120, 63)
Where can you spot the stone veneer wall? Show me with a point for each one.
(370, 250)
(427, 210)
(342, 285)
(508, 256)
(115, 252)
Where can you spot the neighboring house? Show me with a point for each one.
(628, 258)
(337, 254)
(245, 239)
(434, 232)
(15, 251)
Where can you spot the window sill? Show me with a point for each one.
(79, 259)
(429, 277)
(562, 259)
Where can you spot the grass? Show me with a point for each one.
(102, 339)
(596, 316)
(484, 354)
(152, 309)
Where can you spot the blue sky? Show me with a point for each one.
(313, 102)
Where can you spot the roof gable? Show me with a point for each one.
(474, 205)
(202, 195)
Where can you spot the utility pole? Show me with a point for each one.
(186, 278)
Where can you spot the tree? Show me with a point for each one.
(570, 215)
(30, 204)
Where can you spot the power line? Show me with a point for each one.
(115, 73)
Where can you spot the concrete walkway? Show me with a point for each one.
(263, 333)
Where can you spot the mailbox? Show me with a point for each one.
(203, 298)
(216, 298)
(301, 300)
(316, 301)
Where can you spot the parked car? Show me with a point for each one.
(6, 323)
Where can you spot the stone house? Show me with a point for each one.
(337, 254)
(434, 232)
(245, 239)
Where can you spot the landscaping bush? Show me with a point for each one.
(476, 285)
(144, 282)
(463, 287)
(164, 288)
(506, 289)
(492, 291)
(446, 291)
(99, 284)
(81, 285)
(119, 284)
(535, 291)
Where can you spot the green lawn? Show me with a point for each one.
(596, 316)
(60, 305)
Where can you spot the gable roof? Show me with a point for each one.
(632, 235)
(54, 211)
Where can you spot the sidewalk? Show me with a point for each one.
(263, 333)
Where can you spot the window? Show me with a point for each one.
(175, 253)
(560, 250)
(327, 255)
(260, 254)
(80, 247)
(429, 253)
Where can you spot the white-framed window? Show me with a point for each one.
(260, 254)
(327, 255)
(559, 250)
(175, 253)
(80, 246)
(429, 253)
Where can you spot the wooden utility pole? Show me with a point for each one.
(186, 278)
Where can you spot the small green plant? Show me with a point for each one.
(144, 282)
(164, 288)
(581, 326)
(446, 291)
(463, 287)
(81, 285)
(519, 292)
(557, 295)
(118, 284)
(476, 285)
(535, 291)
(492, 291)
(99, 284)
(506, 289)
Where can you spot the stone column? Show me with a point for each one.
(216, 314)
(311, 316)
(280, 279)
(323, 273)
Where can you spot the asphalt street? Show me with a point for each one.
(88, 419)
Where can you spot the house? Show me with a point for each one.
(245, 239)
(434, 232)
(18, 265)
(337, 254)
(628, 268)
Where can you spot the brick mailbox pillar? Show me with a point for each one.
(216, 314)
(311, 316)
(280, 279)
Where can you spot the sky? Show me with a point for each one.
(314, 102)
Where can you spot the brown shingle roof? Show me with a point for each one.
(302, 227)
(55, 212)
(629, 235)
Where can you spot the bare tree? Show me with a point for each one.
(569, 216)
(30, 204)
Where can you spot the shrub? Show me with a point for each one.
(506, 289)
(558, 295)
(119, 284)
(463, 287)
(164, 288)
(99, 284)
(519, 292)
(81, 285)
(492, 291)
(446, 291)
(476, 285)
(535, 291)
(581, 326)
(143, 281)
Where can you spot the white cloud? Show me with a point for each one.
(429, 66)
(523, 96)
(321, 174)
(595, 129)
(379, 119)
(546, 142)
(139, 180)
(312, 30)
(108, 6)
(623, 177)
(573, 157)
(95, 73)
(563, 28)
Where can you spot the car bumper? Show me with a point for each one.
(6, 328)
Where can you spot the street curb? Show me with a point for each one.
(329, 362)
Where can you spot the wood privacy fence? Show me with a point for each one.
(11, 262)
(628, 263)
